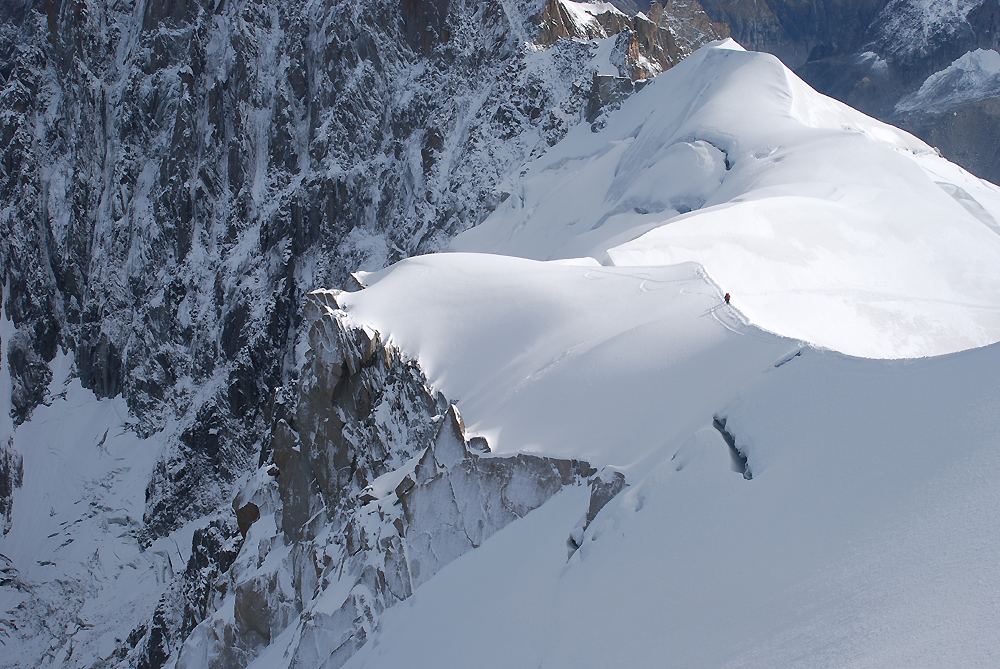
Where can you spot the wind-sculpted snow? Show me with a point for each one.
(824, 224)
(567, 360)
(866, 534)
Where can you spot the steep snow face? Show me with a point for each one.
(76, 579)
(11, 466)
(824, 224)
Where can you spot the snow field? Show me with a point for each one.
(85, 583)
(799, 567)
(865, 537)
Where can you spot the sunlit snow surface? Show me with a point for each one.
(600, 363)
(869, 531)
(867, 538)
(824, 224)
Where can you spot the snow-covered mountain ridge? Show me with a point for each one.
(368, 138)
(754, 499)
(786, 505)
(876, 54)
(174, 177)
(824, 224)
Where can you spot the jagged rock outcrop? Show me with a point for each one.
(646, 44)
(560, 20)
(375, 487)
(963, 133)
(654, 41)
(174, 176)
(197, 593)
(11, 475)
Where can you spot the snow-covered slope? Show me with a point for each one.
(824, 224)
(567, 360)
(866, 538)
(787, 505)
(76, 576)
(875, 54)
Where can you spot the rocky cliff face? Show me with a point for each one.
(374, 488)
(649, 44)
(175, 174)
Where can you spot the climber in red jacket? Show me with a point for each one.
(727, 298)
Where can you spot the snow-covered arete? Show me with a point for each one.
(854, 520)
(824, 224)
(788, 505)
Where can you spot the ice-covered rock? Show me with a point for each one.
(653, 41)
